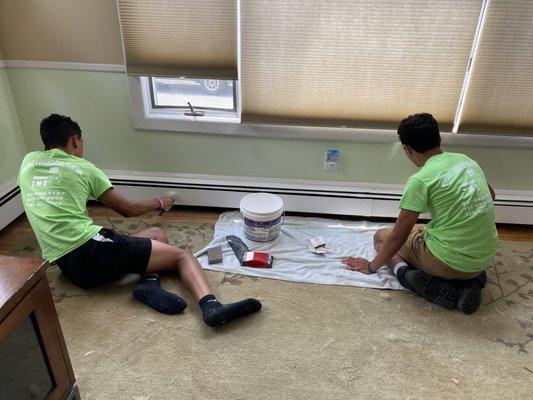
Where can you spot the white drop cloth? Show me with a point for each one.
(294, 262)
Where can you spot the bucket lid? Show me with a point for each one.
(262, 206)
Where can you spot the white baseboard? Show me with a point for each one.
(323, 197)
(10, 203)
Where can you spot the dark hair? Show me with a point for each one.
(420, 132)
(56, 130)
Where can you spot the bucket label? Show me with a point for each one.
(262, 224)
(262, 231)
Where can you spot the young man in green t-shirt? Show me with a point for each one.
(57, 183)
(444, 261)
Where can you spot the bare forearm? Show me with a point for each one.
(133, 208)
(138, 208)
(389, 249)
(386, 251)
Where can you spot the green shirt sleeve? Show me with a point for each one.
(415, 196)
(98, 182)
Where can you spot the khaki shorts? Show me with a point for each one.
(415, 252)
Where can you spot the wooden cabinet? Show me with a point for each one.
(34, 362)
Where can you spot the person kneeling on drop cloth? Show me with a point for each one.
(445, 261)
(56, 184)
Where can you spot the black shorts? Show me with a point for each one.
(98, 262)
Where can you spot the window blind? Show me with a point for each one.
(499, 98)
(180, 38)
(354, 61)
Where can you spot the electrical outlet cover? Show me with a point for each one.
(330, 166)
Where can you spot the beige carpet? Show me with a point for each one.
(308, 342)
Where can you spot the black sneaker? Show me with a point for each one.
(469, 293)
(469, 299)
(401, 276)
(482, 280)
(431, 288)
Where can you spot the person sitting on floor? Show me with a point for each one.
(445, 261)
(57, 183)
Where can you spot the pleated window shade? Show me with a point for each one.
(354, 62)
(180, 38)
(499, 98)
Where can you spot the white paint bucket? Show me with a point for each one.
(263, 215)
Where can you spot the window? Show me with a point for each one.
(187, 99)
(201, 94)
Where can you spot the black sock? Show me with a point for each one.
(150, 292)
(216, 313)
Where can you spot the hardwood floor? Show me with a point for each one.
(11, 235)
(515, 233)
(20, 228)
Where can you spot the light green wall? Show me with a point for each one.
(12, 147)
(99, 102)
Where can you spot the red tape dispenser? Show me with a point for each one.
(247, 258)
(257, 259)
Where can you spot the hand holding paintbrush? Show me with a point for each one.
(166, 203)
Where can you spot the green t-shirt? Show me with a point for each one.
(453, 188)
(55, 188)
